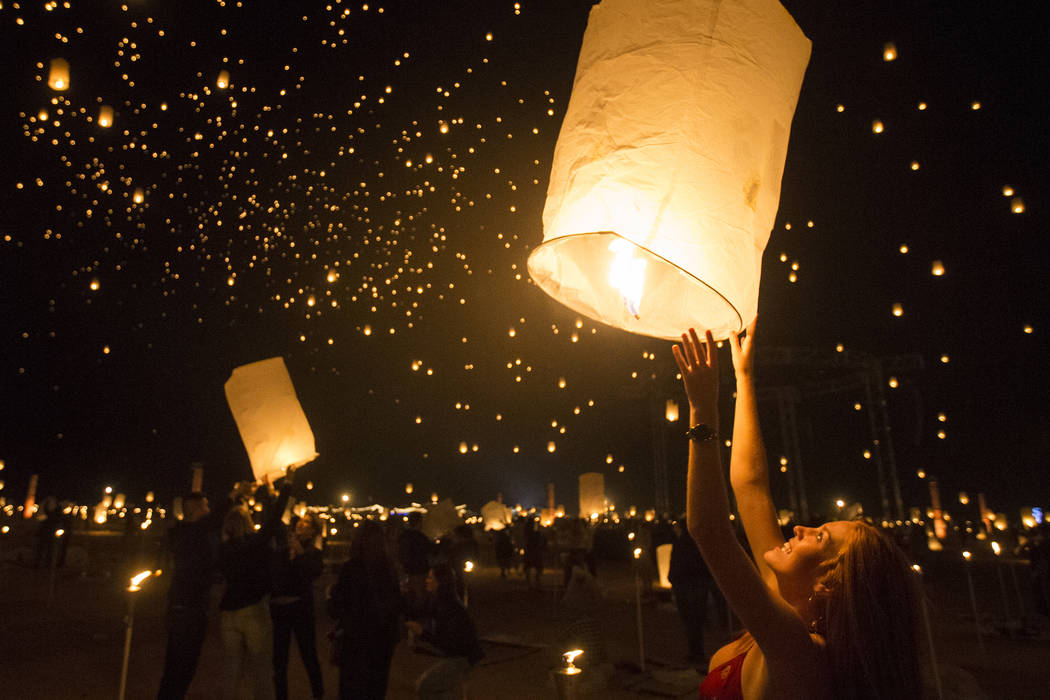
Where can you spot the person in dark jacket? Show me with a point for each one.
(247, 632)
(535, 546)
(366, 601)
(691, 583)
(192, 543)
(297, 564)
(504, 549)
(414, 551)
(448, 629)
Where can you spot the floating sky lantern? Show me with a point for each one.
(105, 116)
(223, 81)
(889, 52)
(937, 268)
(58, 75)
(666, 175)
(269, 417)
(1017, 205)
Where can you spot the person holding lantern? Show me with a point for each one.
(297, 563)
(830, 613)
(191, 543)
(246, 627)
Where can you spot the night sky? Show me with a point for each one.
(360, 198)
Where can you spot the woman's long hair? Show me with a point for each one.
(870, 614)
(369, 547)
(446, 584)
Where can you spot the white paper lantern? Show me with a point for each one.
(495, 515)
(663, 564)
(440, 518)
(269, 418)
(592, 494)
(666, 176)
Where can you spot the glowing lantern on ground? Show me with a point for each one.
(592, 494)
(671, 411)
(666, 176)
(58, 75)
(105, 116)
(269, 418)
(663, 564)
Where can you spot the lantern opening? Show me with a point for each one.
(611, 279)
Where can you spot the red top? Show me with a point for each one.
(723, 682)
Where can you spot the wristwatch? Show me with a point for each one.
(701, 432)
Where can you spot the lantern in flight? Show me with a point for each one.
(269, 417)
(58, 75)
(105, 116)
(666, 175)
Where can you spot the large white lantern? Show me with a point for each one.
(440, 518)
(496, 516)
(592, 494)
(666, 175)
(269, 418)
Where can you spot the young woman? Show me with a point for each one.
(829, 613)
(247, 632)
(366, 599)
(448, 628)
(297, 563)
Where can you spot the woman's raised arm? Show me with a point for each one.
(793, 660)
(748, 468)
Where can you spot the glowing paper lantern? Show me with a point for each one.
(495, 515)
(223, 81)
(105, 116)
(440, 518)
(671, 411)
(663, 564)
(592, 494)
(58, 75)
(666, 175)
(269, 418)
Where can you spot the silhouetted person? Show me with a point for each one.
(414, 550)
(46, 546)
(192, 543)
(366, 600)
(535, 547)
(463, 549)
(504, 549)
(691, 584)
(297, 564)
(247, 631)
(449, 630)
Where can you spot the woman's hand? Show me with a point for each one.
(743, 351)
(698, 363)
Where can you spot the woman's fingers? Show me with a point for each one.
(679, 360)
(712, 351)
(698, 349)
